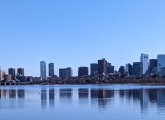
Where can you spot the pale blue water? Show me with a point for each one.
(82, 102)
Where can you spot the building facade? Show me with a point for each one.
(129, 69)
(144, 59)
(161, 62)
(102, 66)
(11, 71)
(137, 69)
(94, 69)
(20, 72)
(122, 70)
(110, 69)
(83, 71)
(153, 66)
(42, 69)
(65, 72)
(51, 69)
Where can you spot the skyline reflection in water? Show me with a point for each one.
(102, 97)
(83, 98)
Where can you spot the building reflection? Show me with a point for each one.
(161, 98)
(43, 99)
(66, 94)
(145, 97)
(153, 95)
(0, 93)
(21, 98)
(16, 98)
(51, 97)
(4, 93)
(102, 96)
(83, 94)
(21, 94)
(12, 93)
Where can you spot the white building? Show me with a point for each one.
(144, 59)
(42, 69)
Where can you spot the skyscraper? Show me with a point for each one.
(144, 59)
(110, 68)
(42, 69)
(20, 71)
(102, 66)
(51, 69)
(94, 69)
(129, 69)
(122, 70)
(83, 71)
(161, 62)
(11, 71)
(153, 67)
(137, 69)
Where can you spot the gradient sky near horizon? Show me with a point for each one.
(73, 33)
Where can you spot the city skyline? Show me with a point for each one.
(101, 66)
(79, 31)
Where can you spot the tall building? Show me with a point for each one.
(83, 71)
(65, 72)
(129, 69)
(51, 69)
(102, 66)
(11, 71)
(153, 66)
(122, 70)
(110, 68)
(94, 69)
(144, 59)
(137, 69)
(42, 69)
(20, 71)
(161, 62)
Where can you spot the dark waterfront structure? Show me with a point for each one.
(83, 71)
(110, 68)
(129, 69)
(65, 72)
(94, 69)
(137, 68)
(20, 72)
(51, 69)
(11, 71)
(122, 70)
(102, 66)
(153, 67)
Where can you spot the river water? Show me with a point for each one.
(82, 102)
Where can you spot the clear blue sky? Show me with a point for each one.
(78, 32)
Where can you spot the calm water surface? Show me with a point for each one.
(90, 102)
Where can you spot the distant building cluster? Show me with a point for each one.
(13, 75)
(143, 67)
(102, 67)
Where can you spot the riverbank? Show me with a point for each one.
(148, 81)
